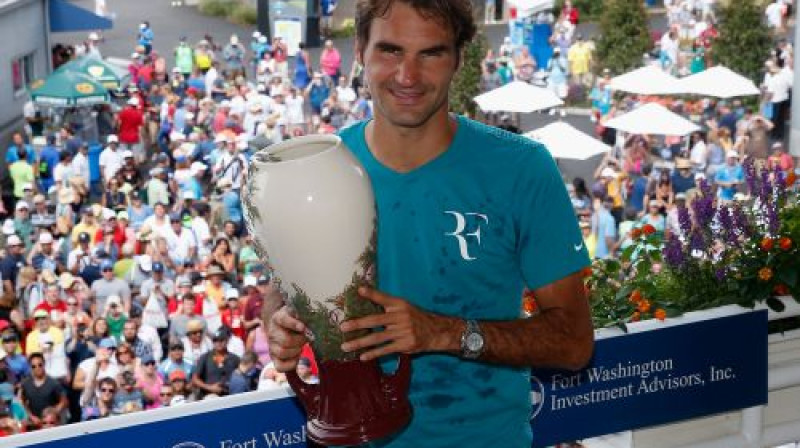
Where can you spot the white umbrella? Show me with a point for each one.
(647, 80)
(526, 8)
(517, 96)
(565, 142)
(720, 82)
(652, 118)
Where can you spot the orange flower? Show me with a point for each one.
(635, 316)
(636, 233)
(660, 314)
(781, 289)
(644, 306)
(785, 243)
(529, 305)
(767, 244)
(587, 271)
(765, 274)
(648, 229)
(636, 296)
(791, 178)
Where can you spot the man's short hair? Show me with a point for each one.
(457, 15)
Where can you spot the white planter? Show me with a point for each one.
(763, 426)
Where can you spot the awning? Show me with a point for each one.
(66, 17)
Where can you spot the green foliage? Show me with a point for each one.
(346, 29)
(467, 81)
(624, 35)
(588, 9)
(244, 14)
(744, 39)
(216, 8)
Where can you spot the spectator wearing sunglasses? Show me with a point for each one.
(101, 404)
(40, 391)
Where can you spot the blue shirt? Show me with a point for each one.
(462, 236)
(603, 226)
(233, 206)
(51, 156)
(727, 173)
(12, 155)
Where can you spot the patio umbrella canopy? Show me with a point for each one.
(565, 142)
(110, 76)
(719, 82)
(527, 8)
(652, 118)
(517, 96)
(68, 89)
(648, 80)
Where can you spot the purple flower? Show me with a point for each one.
(703, 208)
(773, 221)
(697, 242)
(740, 221)
(766, 187)
(727, 227)
(685, 220)
(673, 252)
(750, 175)
(720, 274)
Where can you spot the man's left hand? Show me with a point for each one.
(406, 329)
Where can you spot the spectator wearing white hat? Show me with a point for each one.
(231, 166)
(129, 122)
(233, 314)
(7, 230)
(110, 159)
(23, 226)
(729, 176)
(43, 255)
(11, 263)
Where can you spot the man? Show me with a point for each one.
(180, 321)
(174, 361)
(110, 159)
(233, 54)
(80, 170)
(182, 242)
(410, 57)
(682, 178)
(130, 335)
(145, 37)
(604, 227)
(231, 166)
(23, 225)
(163, 288)
(129, 122)
(108, 286)
(232, 316)
(213, 369)
(579, 57)
(157, 188)
(729, 176)
(40, 391)
(11, 264)
(48, 159)
(43, 256)
(129, 397)
(80, 257)
(14, 152)
(21, 172)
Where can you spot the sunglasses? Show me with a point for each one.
(150, 363)
(166, 394)
(123, 352)
(176, 347)
(72, 303)
(107, 390)
(40, 318)
(108, 270)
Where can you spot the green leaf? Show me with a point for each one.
(788, 274)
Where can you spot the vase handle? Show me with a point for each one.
(400, 380)
(307, 393)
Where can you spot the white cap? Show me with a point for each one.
(113, 139)
(27, 186)
(608, 172)
(108, 214)
(699, 176)
(177, 136)
(93, 36)
(146, 263)
(197, 167)
(732, 153)
(45, 238)
(189, 116)
(22, 204)
(231, 293)
(13, 240)
(262, 39)
(220, 138)
(113, 298)
(250, 280)
(142, 26)
(256, 34)
(127, 154)
(133, 101)
(199, 289)
(188, 195)
(8, 227)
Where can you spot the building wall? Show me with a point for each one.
(23, 31)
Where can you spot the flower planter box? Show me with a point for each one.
(776, 423)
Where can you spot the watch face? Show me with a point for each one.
(474, 342)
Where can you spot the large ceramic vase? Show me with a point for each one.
(309, 206)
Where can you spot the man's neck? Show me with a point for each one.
(405, 149)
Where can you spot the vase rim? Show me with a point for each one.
(285, 151)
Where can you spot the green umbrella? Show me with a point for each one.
(110, 76)
(68, 89)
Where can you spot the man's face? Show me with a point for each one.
(409, 62)
(176, 352)
(129, 331)
(43, 323)
(52, 293)
(177, 227)
(159, 210)
(10, 345)
(188, 306)
(108, 273)
(18, 140)
(37, 368)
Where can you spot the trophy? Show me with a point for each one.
(309, 206)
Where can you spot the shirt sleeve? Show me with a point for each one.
(550, 243)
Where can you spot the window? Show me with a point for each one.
(22, 73)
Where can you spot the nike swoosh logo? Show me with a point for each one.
(578, 247)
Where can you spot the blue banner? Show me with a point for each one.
(635, 380)
(655, 377)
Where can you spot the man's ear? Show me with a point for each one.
(358, 51)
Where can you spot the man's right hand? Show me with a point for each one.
(286, 339)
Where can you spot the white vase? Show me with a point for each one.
(309, 205)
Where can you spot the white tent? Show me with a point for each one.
(565, 142)
(652, 118)
(647, 80)
(527, 8)
(517, 96)
(719, 82)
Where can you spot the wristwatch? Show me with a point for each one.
(472, 341)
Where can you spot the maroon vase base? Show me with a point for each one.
(355, 402)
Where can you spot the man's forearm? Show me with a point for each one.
(550, 339)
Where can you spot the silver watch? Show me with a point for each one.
(472, 341)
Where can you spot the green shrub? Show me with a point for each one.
(346, 29)
(744, 40)
(589, 9)
(244, 14)
(216, 8)
(624, 35)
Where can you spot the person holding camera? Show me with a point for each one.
(213, 369)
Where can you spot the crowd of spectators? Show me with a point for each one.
(129, 281)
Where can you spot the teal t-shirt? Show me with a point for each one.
(461, 236)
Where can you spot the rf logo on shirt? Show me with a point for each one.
(468, 225)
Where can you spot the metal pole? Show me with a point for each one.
(794, 136)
